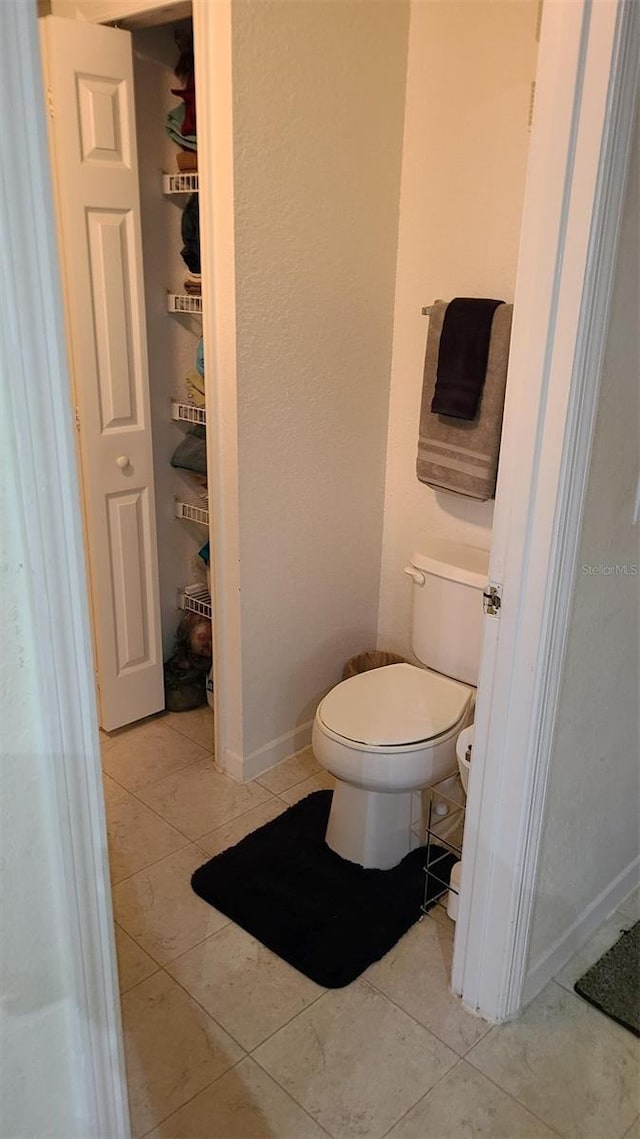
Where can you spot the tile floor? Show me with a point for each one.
(226, 1041)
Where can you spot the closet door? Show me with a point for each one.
(92, 132)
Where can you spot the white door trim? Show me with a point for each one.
(496, 901)
(46, 484)
(212, 44)
(586, 90)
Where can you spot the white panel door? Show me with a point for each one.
(92, 131)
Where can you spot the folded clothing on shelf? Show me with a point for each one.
(188, 94)
(195, 388)
(190, 228)
(200, 357)
(187, 161)
(193, 285)
(174, 127)
(191, 452)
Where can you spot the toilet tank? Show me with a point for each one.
(447, 619)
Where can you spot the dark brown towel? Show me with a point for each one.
(463, 355)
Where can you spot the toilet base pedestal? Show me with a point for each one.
(372, 828)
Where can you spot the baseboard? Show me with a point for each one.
(257, 762)
(249, 767)
(232, 765)
(579, 932)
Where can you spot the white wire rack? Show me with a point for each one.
(180, 183)
(445, 825)
(195, 598)
(191, 513)
(183, 303)
(188, 412)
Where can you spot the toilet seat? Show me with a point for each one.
(398, 706)
(371, 816)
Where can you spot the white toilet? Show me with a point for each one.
(390, 732)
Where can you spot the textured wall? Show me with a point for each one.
(37, 1047)
(591, 826)
(318, 114)
(465, 148)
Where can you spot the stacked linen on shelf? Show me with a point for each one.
(193, 285)
(195, 379)
(195, 388)
(190, 230)
(175, 124)
(191, 452)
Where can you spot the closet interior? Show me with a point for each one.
(164, 84)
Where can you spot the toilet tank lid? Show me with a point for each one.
(468, 565)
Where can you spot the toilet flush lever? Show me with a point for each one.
(416, 575)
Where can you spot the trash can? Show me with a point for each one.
(364, 662)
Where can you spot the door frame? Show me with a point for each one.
(586, 87)
(539, 539)
(47, 503)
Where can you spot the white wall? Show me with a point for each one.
(591, 834)
(38, 1051)
(318, 113)
(470, 68)
(60, 1058)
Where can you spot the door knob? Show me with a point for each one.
(122, 461)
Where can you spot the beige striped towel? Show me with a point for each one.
(456, 454)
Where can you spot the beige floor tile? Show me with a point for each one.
(631, 905)
(291, 771)
(601, 941)
(134, 965)
(567, 1063)
(438, 913)
(243, 1104)
(172, 1048)
(137, 837)
(465, 1105)
(355, 1061)
(112, 790)
(200, 799)
(148, 752)
(196, 725)
(416, 974)
(248, 989)
(107, 739)
(322, 782)
(231, 833)
(634, 1130)
(158, 908)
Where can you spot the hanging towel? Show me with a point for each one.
(457, 454)
(462, 356)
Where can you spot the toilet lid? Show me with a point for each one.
(398, 704)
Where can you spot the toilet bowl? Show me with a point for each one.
(390, 732)
(384, 735)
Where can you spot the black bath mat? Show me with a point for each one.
(613, 983)
(328, 918)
